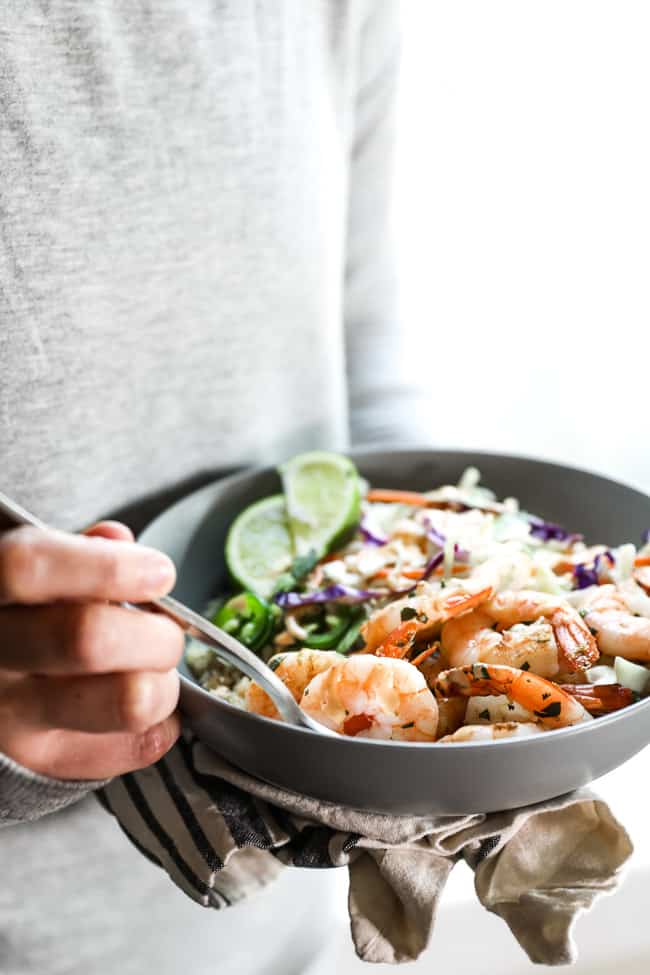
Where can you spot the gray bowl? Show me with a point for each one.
(396, 777)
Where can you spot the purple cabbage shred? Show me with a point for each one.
(336, 593)
(461, 554)
(370, 535)
(586, 575)
(548, 531)
(645, 537)
(432, 564)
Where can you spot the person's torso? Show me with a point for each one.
(172, 214)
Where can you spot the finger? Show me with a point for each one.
(130, 702)
(110, 529)
(87, 638)
(39, 566)
(78, 755)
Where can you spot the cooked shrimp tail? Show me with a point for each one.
(579, 650)
(601, 698)
(552, 707)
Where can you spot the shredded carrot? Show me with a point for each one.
(641, 560)
(390, 496)
(332, 557)
(408, 573)
(455, 569)
(418, 573)
(564, 566)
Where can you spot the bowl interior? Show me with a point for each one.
(425, 778)
(194, 530)
(601, 509)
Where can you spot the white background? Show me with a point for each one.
(523, 223)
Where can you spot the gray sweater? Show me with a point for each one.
(194, 252)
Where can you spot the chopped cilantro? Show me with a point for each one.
(525, 665)
(275, 663)
(411, 724)
(408, 613)
(484, 714)
(303, 564)
(551, 710)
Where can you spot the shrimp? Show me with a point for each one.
(556, 639)
(424, 612)
(471, 638)
(295, 669)
(492, 732)
(601, 698)
(609, 612)
(551, 706)
(373, 697)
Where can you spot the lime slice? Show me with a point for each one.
(323, 500)
(259, 546)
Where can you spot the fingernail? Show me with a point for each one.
(158, 573)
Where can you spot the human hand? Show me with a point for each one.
(88, 690)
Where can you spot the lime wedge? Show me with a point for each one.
(259, 547)
(323, 499)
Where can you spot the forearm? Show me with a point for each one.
(26, 796)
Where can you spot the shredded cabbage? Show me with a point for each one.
(631, 675)
(624, 562)
(469, 479)
(601, 675)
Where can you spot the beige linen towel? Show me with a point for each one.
(221, 835)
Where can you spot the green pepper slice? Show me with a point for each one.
(246, 617)
(326, 633)
(351, 639)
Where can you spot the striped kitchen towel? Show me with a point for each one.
(221, 835)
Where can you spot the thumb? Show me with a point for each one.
(110, 529)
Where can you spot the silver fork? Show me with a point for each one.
(194, 625)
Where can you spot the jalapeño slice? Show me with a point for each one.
(246, 617)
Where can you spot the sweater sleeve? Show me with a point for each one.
(382, 403)
(26, 796)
